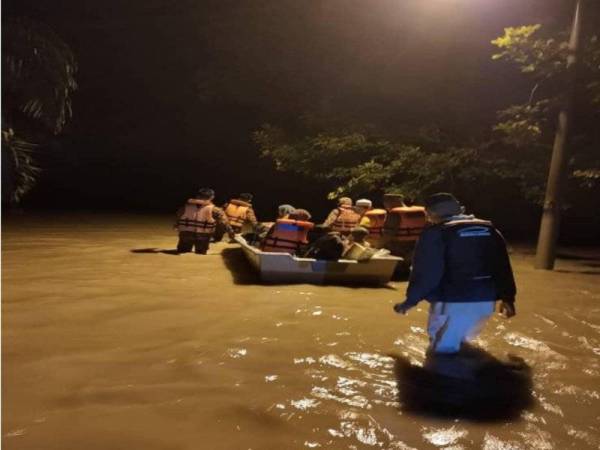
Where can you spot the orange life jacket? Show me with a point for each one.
(347, 219)
(197, 217)
(237, 212)
(376, 221)
(286, 236)
(406, 223)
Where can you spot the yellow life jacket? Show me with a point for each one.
(347, 219)
(197, 217)
(286, 236)
(376, 221)
(406, 223)
(237, 212)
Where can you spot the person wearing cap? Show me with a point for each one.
(239, 212)
(461, 266)
(284, 211)
(393, 200)
(362, 206)
(197, 221)
(343, 218)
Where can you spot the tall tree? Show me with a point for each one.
(38, 80)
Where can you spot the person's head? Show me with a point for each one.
(246, 197)
(359, 234)
(285, 210)
(205, 194)
(393, 201)
(364, 204)
(441, 206)
(344, 201)
(300, 214)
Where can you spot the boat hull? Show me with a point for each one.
(285, 268)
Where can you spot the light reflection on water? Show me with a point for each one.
(151, 350)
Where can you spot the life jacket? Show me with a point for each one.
(237, 211)
(376, 221)
(286, 236)
(471, 247)
(197, 217)
(405, 223)
(347, 219)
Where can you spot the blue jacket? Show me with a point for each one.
(461, 260)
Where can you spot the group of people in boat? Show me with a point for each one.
(352, 230)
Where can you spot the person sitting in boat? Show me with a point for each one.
(374, 221)
(363, 206)
(358, 247)
(288, 235)
(343, 218)
(239, 212)
(284, 211)
(329, 246)
(262, 229)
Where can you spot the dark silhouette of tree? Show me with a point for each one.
(38, 79)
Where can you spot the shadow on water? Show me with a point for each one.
(240, 269)
(580, 272)
(155, 250)
(243, 273)
(578, 257)
(473, 386)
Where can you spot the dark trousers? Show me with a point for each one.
(188, 240)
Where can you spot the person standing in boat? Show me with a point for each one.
(343, 218)
(197, 221)
(461, 266)
(239, 212)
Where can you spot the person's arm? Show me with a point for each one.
(504, 279)
(251, 217)
(178, 215)
(220, 216)
(333, 215)
(427, 269)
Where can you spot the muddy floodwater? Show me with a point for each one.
(110, 342)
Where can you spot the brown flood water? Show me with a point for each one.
(105, 348)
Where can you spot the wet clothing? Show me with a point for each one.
(450, 324)
(189, 241)
(462, 267)
(196, 223)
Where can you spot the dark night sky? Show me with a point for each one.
(169, 91)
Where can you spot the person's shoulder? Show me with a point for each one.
(431, 230)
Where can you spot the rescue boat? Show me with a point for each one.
(286, 268)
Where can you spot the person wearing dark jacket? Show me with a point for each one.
(461, 266)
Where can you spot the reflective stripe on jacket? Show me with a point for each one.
(197, 217)
(286, 236)
(461, 260)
